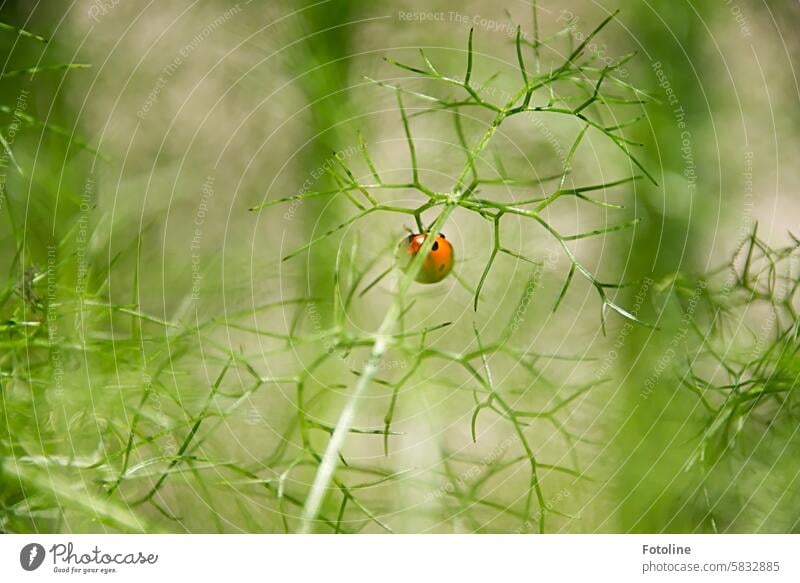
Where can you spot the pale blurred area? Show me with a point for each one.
(202, 110)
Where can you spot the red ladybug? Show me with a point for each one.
(437, 264)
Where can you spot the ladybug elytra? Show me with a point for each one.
(437, 264)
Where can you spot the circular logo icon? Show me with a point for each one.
(31, 556)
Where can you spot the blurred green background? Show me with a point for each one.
(162, 370)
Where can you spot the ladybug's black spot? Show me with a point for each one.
(435, 245)
(441, 268)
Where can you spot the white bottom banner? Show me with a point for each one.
(386, 559)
